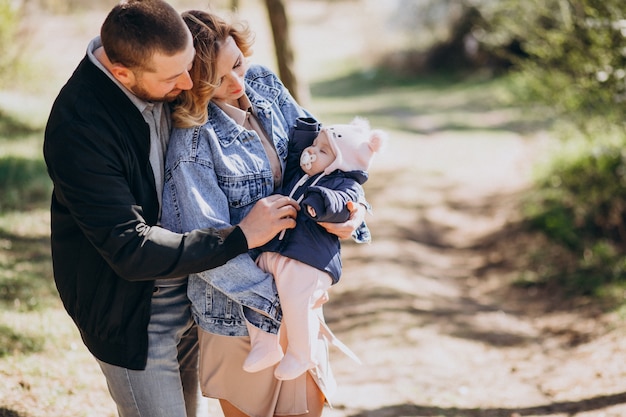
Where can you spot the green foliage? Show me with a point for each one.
(9, 45)
(571, 59)
(580, 205)
(24, 183)
(572, 53)
(12, 342)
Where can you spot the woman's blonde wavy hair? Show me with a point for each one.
(209, 33)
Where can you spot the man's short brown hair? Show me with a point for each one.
(135, 30)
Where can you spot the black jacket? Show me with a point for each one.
(106, 251)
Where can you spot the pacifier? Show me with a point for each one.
(307, 159)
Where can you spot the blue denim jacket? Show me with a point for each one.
(214, 174)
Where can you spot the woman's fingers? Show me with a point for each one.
(268, 217)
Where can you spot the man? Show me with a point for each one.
(121, 277)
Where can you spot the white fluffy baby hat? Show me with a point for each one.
(354, 145)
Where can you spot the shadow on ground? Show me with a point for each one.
(564, 407)
(5, 412)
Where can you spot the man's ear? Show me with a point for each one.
(123, 74)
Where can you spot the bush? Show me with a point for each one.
(572, 60)
(580, 205)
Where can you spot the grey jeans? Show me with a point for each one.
(168, 387)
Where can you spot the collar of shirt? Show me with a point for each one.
(97, 43)
(236, 113)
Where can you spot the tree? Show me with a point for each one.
(284, 50)
(574, 53)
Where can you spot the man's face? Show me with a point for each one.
(168, 78)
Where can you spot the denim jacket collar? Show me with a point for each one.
(226, 130)
(261, 95)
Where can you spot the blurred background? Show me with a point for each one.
(506, 171)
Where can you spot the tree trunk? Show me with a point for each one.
(284, 51)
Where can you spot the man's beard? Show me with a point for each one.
(141, 93)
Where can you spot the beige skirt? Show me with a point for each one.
(257, 394)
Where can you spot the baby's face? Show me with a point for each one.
(318, 156)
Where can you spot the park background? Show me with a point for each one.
(494, 284)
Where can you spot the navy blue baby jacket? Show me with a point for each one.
(308, 242)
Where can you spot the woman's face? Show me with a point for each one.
(231, 68)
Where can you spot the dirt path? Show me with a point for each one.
(425, 306)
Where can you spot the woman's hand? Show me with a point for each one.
(269, 217)
(344, 230)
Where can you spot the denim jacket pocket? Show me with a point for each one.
(218, 314)
(245, 190)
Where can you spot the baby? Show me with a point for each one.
(325, 177)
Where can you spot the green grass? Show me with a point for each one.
(25, 266)
(424, 105)
(24, 183)
(13, 342)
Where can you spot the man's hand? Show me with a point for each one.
(344, 230)
(268, 217)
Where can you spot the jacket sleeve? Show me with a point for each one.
(305, 131)
(192, 199)
(100, 187)
(329, 204)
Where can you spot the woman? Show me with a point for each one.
(228, 151)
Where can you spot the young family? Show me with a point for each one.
(191, 194)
